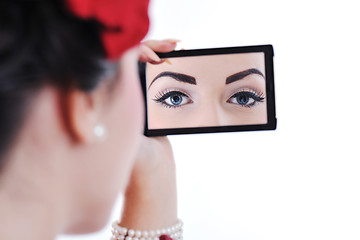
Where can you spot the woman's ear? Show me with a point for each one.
(82, 115)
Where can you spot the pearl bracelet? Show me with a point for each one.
(122, 233)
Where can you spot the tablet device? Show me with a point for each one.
(210, 90)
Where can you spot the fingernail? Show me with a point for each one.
(155, 57)
(172, 40)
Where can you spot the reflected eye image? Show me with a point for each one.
(246, 98)
(172, 99)
(194, 91)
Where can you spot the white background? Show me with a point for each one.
(301, 181)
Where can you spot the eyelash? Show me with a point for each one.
(162, 96)
(254, 94)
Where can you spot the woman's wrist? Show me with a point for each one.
(151, 199)
(173, 232)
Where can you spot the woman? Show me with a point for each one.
(207, 91)
(71, 118)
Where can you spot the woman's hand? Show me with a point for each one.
(150, 198)
(148, 49)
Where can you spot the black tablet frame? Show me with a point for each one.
(270, 90)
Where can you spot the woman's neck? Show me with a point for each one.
(31, 221)
(29, 204)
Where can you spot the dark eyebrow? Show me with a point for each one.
(242, 74)
(177, 76)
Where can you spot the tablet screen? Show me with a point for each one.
(209, 90)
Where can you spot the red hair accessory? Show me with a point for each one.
(126, 22)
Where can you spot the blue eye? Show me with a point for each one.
(246, 98)
(173, 99)
(243, 100)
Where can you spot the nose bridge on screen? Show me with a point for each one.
(211, 115)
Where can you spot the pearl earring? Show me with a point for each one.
(100, 131)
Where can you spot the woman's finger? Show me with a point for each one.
(167, 45)
(148, 55)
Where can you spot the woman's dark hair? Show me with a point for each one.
(42, 43)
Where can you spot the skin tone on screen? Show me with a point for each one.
(204, 91)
